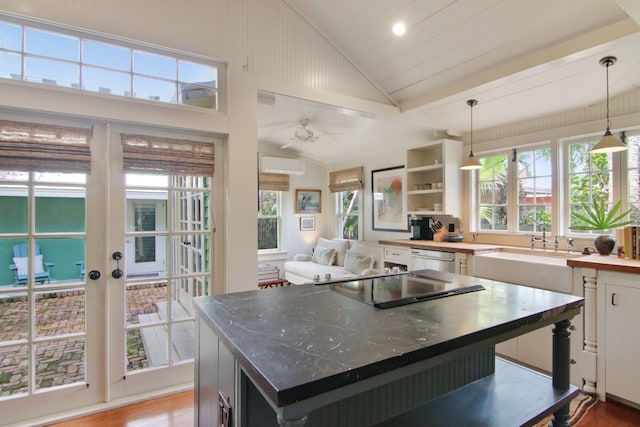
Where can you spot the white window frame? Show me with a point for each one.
(618, 184)
(536, 227)
(24, 23)
(477, 206)
(512, 187)
(278, 217)
(340, 215)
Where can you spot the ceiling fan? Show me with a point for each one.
(302, 134)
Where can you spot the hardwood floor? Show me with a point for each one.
(177, 411)
(611, 414)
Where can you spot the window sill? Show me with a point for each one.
(272, 255)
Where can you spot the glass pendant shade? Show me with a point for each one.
(608, 143)
(472, 161)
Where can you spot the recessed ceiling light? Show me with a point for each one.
(399, 29)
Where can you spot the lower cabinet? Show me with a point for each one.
(214, 378)
(622, 338)
(396, 256)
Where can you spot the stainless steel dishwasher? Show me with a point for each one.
(434, 260)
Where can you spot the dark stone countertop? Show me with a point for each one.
(300, 341)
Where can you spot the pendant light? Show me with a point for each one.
(472, 161)
(608, 143)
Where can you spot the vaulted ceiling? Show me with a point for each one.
(519, 58)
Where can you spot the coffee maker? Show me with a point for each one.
(421, 228)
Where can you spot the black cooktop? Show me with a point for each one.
(396, 290)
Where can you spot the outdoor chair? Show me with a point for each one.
(20, 265)
(81, 265)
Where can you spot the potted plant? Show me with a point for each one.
(596, 218)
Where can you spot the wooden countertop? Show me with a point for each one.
(463, 247)
(609, 263)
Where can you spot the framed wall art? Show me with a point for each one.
(309, 201)
(389, 210)
(307, 223)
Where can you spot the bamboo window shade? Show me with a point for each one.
(143, 153)
(346, 180)
(273, 182)
(39, 147)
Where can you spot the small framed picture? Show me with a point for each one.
(308, 201)
(307, 223)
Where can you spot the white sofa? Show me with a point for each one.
(342, 259)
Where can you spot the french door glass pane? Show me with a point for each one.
(60, 312)
(14, 376)
(144, 301)
(14, 315)
(14, 205)
(60, 209)
(182, 341)
(59, 362)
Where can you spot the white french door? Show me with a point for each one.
(165, 241)
(52, 319)
(91, 316)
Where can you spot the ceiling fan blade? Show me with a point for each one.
(288, 145)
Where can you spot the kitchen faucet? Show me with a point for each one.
(542, 239)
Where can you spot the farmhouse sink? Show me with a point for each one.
(545, 270)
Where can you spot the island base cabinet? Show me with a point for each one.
(214, 379)
(622, 344)
(379, 403)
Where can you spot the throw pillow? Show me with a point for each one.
(23, 267)
(363, 250)
(356, 263)
(339, 245)
(324, 256)
(37, 264)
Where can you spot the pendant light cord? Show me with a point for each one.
(608, 121)
(471, 103)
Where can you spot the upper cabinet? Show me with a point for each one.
(434, 178)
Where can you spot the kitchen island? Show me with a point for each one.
(308, 355)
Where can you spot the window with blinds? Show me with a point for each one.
(348, 185)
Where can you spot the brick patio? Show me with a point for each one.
(61, 361)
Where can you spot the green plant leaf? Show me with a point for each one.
(597, 218)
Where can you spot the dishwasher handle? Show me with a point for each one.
(433, 254)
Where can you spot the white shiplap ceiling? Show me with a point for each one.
(520, 58)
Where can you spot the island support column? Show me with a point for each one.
(561, 366)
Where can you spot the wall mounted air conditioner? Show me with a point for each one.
(283, 165)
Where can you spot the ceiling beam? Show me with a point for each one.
(566, 50)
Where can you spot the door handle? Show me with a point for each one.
(94, 275)
(117, 273)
